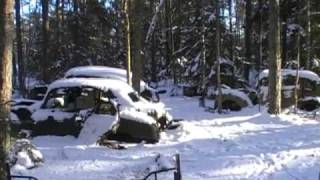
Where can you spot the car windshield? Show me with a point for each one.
(72, 99)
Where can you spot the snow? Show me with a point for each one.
(23, 155)
(14, 118)
(24, 159)
(135, 115)
(311, 98)
(102, 84)
(95, 126)
(240, 145)
(102, 72)
(43, 114)
(232, 92)
(290, 72)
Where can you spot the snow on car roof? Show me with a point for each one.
(291, 72)
(103, 84)
(101, 72)
(97, 71)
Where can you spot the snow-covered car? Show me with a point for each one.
(232, 99)
(308, 89)
(236, 93)
(71, 102)
(23, 107)
(146, 91)
(37, 92)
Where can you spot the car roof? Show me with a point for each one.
(292, 72)
(101, 72)
(99, 83)
(97, 71)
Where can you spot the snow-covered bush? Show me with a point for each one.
(24, 155)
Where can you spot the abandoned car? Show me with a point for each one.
(236, 92)
(308, 88)
(146, 91)
(22, 108)
(71, 103)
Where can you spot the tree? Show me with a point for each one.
(231, 31)
(298, 49)
(21, 74)
(6, 43)
(308, 36)
(219, 97)
(128, 40)
(45, 39)
(284, 15)
(248, 39)
(275, 59)
(137, 22)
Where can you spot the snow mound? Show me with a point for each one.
(24, 155)
(159, 162)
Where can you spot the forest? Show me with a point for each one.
(219, 78)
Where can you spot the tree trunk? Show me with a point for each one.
(296, 88)
(284, 33)
(128, 40)
(298, 48)
(219, 97)
(275, 59)
(168, 44)
(231, 31)
(153, 44)
(308, 63)
(137, 6)
(248, 39)
(21, 74)
(6, 43)
(58, 19)
(203, 88)
(260, 48)
(45, 40)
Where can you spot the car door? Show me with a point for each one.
(56, 116)
(102, 121)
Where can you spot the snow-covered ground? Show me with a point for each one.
(238, 145)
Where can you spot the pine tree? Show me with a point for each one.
(219, 96)
(275, 59)
(126, 10)
(45, 40)
(137, 23)
(248, 29)
(21, 74)
(6, 42)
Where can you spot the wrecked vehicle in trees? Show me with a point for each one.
(308, 88)
(146, 91)
(236, 92)
(22, 108)
(125, 116)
